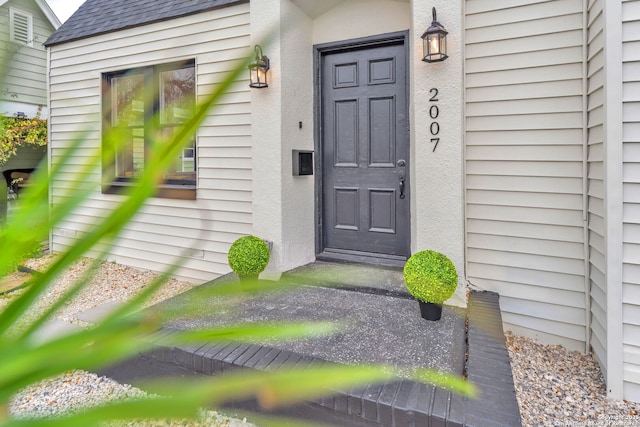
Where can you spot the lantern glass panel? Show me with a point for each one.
(258, 76)
(435, 47)
(434, 41)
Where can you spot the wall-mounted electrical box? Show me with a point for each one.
(302, 162)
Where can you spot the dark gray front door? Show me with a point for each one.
(365, 152)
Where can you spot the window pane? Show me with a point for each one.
(177, 95)
(130, 155)
(127, 100)
(148, 105)
(183, 167)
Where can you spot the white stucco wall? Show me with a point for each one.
(284, 205)
(353, 19)
(437, 177)
(298, 192)
(266, 133)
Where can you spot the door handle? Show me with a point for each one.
(401, 179)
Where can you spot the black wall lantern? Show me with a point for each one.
(258, 70)
(434, 41)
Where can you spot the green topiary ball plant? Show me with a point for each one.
(248, 256)
(430, 277)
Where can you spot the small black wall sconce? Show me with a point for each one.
(434, 41)
(258, 70)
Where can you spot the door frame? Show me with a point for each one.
(399, 37)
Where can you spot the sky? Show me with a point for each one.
(64, 8)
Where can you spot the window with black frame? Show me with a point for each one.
(142, 106)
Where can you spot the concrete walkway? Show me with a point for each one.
(380, 322)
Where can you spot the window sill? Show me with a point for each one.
(180, 192)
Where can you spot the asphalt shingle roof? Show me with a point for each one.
(104, 16)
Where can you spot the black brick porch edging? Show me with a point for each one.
(488, 365)
(397, 404)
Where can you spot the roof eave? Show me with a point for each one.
(227, 3)
(48, 12)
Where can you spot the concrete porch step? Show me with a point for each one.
(399, 403)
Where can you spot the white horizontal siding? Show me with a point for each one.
(596, 236)
(165, 229)
(631, 194)
(26, 77)
(524, 163)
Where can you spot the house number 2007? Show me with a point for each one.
(434, 112)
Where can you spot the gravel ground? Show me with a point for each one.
(78, 389)
(554, 386)
(557, 387)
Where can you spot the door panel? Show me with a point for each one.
(382, 119)
(346, 133)
(347, 208)
(365, 149)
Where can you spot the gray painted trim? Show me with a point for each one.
(341, 255)
(585, 176)
(614, 198)
(318, 51)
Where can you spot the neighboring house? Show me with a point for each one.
(518, 156)
(24, 27)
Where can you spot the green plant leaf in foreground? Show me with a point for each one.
(183, 399)
(26, 357)
(255, 333)
(273, 390)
